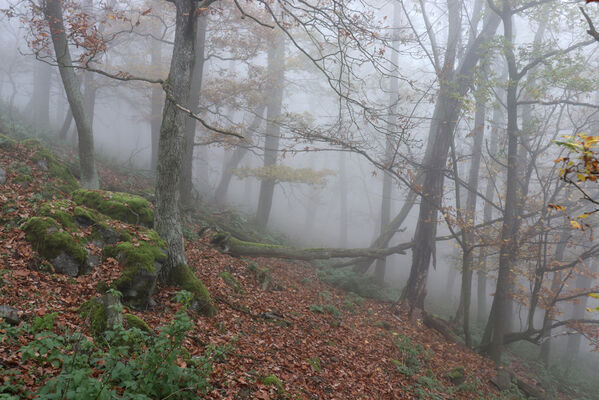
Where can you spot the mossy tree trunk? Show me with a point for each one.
(276, 75)
(156, 103)
(54, 16)
(227, 244)
(186, 185)
(171, 146)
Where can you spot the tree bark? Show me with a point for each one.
(167, 218)
(276, 72)
(89, 175)
(156, 104)
(186, 185)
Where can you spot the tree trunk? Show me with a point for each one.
(577, 312)
(156, 104)
(343, 210)
(228, 244)
(220, 195)
(40, 101)
(463, 313)
(551, 311)
(186, 185)
(89, 175)
(481, 282)
(379, 272)
(454, 85)
(511, 223)
(275, 71)
(167, 219)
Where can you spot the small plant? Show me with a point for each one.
(315, 363)
(316, 309)
(272, 380)
(43, 323)
(331, 309)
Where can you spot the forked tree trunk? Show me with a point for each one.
(276, 72)
(186, 185)
(89, 175)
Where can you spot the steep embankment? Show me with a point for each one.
(279, 333)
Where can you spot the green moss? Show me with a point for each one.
(136, 322)
(49, 239)
(231, 281)
(56, 168)
(23, 178)
(136, 255)
(7, 143)
(122, 206)
(59, 210)
(457, 375)
(272, 380)
(95, 312)
(92, 216)
(183, 276)
(236, 242)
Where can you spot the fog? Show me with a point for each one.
(366, 90)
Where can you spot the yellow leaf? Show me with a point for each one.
(575, 225)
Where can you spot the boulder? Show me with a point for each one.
(9, 314)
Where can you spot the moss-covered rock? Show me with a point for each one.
(103, 313)
(134, 321)
(53, 243)
(183, 276)
(230, 280)
(122, 206)
(56, 168)
(60, 211)
(457, 375)
(142, 261)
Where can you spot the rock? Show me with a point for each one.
(457, 375)
(503, 379)
(43, 164)
(108, 235)
(2, 176)
(65, 264)
(9, 314)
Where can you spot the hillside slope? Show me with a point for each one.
(280, 331)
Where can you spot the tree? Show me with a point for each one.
(54, 16)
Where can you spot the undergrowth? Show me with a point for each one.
(127, 364)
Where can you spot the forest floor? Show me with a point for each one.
(320, 342)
